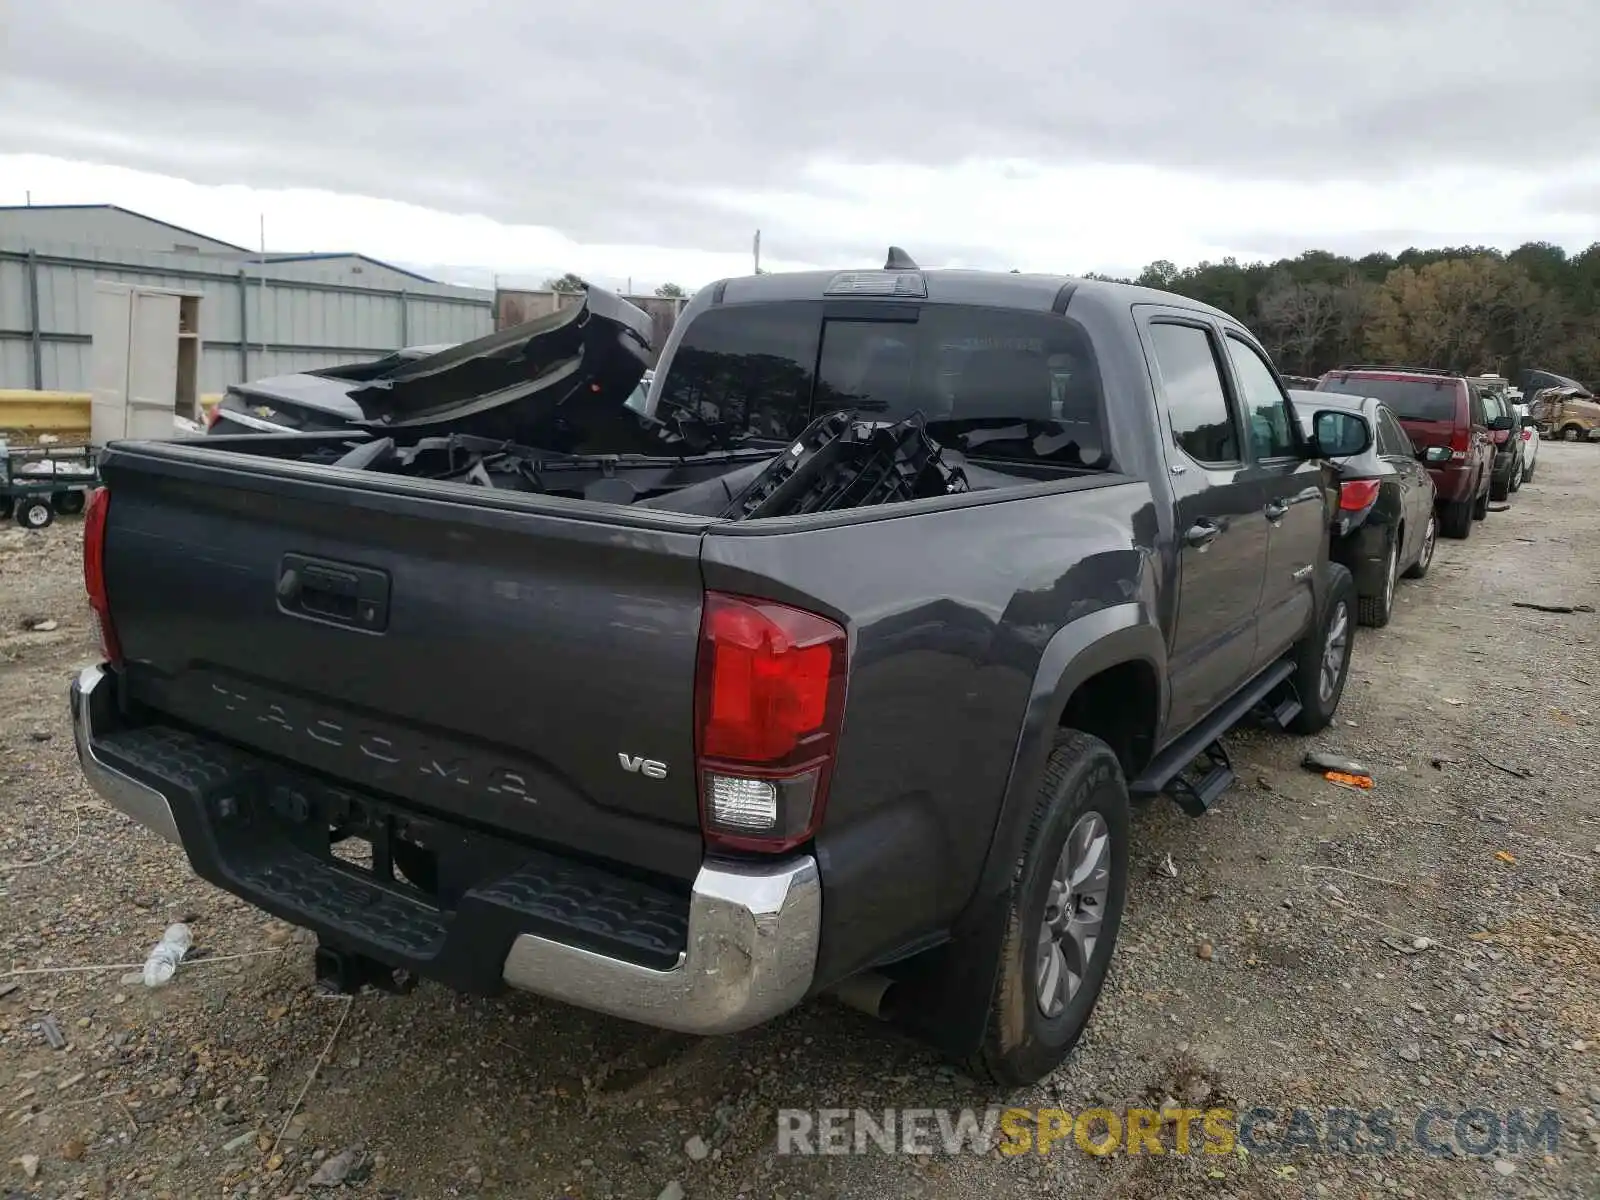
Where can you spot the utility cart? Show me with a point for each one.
(37, 482)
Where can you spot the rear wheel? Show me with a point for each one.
(7, 506)
(35, 513)
(1322, 659)
(1430, 537)
(1376, 610)
(1063, 912)
(1571, 433)
(1517, 475)
(1480, 506)
(1455, 520)
(68, 503)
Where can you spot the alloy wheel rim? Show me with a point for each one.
(1333, 651)
(1390, 575)
(1074, 914)
(1428, 537)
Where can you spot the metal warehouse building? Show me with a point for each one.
(260, 315)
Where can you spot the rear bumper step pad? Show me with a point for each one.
(736, 950)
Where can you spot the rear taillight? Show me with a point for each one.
(1460, 441)
(94, 570)
(1357, 494)
(769, 698)
(1527, 433)
(212, 413)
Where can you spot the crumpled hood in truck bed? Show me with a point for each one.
(549, 381)
(579, 362)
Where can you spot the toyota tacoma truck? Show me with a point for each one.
(836, 672)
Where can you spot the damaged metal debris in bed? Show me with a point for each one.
(838, 462)
(541, 409)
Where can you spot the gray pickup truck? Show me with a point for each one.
(835, 670)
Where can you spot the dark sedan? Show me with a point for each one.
(1386, 525)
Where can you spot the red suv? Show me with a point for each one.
(1443, 413)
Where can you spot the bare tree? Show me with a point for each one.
(1298, 318)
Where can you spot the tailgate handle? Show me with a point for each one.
(334, 592)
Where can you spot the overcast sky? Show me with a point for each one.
(651, 139)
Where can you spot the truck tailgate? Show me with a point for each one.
(498, 662)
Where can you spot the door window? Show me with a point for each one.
(1266, 408)
(1196, 400)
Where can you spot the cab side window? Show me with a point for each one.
(1266, 408)
(1196, 398)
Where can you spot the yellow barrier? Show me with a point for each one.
(64, 414)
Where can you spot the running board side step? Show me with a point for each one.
(1165, 773)
(1280, 707)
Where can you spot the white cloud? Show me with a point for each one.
(975, 213)
(471, 249)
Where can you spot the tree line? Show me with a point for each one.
(1466, 308)
(1469, 308)
(573, 282)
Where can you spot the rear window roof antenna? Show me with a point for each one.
(899, 260)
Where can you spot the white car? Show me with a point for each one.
(1530, 442)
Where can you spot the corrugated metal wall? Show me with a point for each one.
(254, 323)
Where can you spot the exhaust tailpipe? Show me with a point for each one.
(867, 992)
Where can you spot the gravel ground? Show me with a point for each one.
(1278, 967)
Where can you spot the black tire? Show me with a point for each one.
(1021, 1043)
(1480, 506)
(1572, 433)
(1430, 539)
(7, 505)
(1375, 611)
(35, 513)
(1527, 471)
(1455, 520)
(68, 504)
(1338, 610)
(1499, 491)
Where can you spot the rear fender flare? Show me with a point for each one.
(950, 1004)
(1104, 639)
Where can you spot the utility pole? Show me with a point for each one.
(263, 274)
(756, 250)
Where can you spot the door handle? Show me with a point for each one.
(1202, 533)
(1275, 510)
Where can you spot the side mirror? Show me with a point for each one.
(1339, 434)
(1436, 454)
(1501, 424)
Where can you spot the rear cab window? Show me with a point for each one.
(1003, 386)
(1409, 399)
